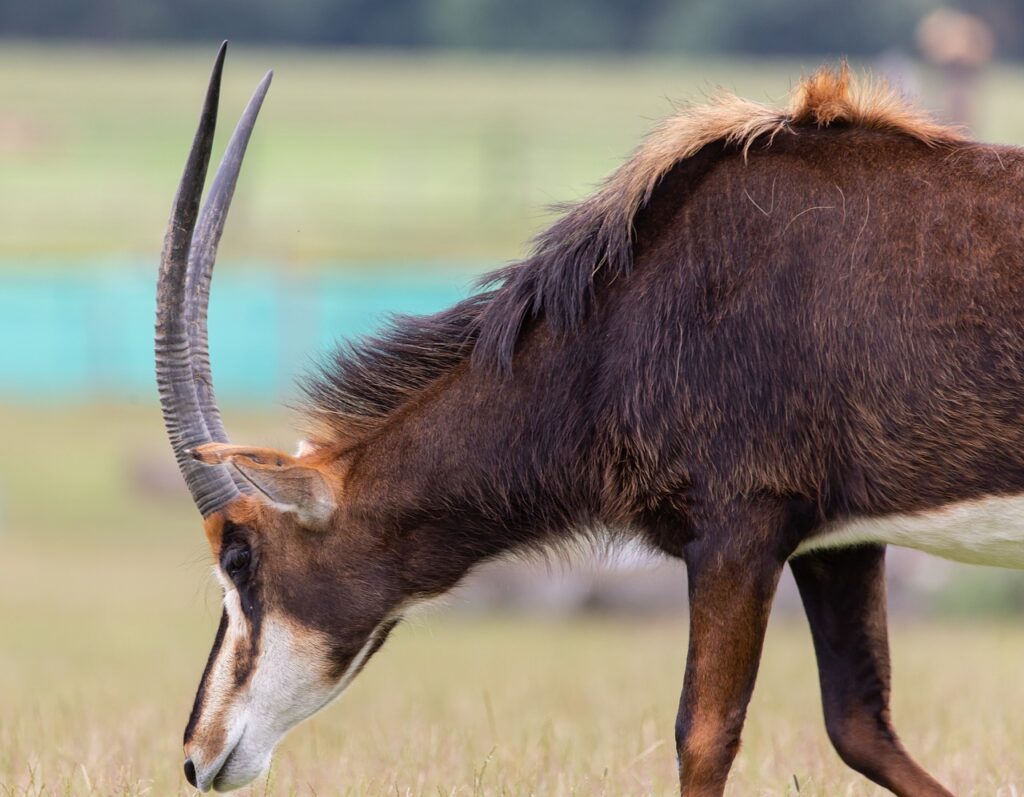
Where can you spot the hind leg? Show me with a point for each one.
(843, 592)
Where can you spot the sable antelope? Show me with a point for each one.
(773, 335)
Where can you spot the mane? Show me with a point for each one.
(366, 381)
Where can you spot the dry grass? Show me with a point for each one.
(107, 611)
(102, 650)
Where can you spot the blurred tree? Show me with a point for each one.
(815, 27)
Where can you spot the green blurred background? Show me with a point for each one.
(407, 146)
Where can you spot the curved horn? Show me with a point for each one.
(211, 488)
(201, 260)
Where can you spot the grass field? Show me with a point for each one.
(107, 607)
(357, 157)
(107, 610)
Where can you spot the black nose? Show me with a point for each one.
(190, 772)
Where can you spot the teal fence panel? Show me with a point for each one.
(89, 335)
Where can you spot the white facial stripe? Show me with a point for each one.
(289, 683)
(238, 626)
(220, 704)
(987, 531)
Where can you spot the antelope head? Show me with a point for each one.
(297, 626)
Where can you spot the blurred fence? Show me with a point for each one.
(88, 334)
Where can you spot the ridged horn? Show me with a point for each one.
(182, 301)
(202, 258)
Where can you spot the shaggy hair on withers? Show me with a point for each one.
(364, 382)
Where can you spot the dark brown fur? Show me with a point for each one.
(766, 321)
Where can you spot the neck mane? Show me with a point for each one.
(363, 383)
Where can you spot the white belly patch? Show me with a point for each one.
(984, 531)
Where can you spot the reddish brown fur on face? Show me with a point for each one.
(210, 735)
(213, 527)
(246, 511)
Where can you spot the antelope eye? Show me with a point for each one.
(236, 562)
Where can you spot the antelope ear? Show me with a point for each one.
(284, 481)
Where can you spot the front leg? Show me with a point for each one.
(733, 567)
